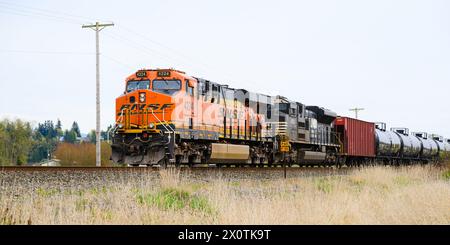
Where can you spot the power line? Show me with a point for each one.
(53, 13)
(146, 49)
(22, 10)
(143, 48)
(45, 52)
(66, 53)
(36, 16)
(176, 52)
(180, 54)
(118, 62)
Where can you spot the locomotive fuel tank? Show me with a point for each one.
(411, 145)
(387, 142)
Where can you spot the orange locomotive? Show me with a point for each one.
(167, 117)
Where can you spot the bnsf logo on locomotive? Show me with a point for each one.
(141, 107)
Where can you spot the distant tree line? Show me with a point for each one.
(21, 144)
(103, 135)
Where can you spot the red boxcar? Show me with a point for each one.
(356, 136)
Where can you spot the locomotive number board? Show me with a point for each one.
(141, 74)
(163, 73)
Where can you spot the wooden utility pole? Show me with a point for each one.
(97, 27)
(356, 110)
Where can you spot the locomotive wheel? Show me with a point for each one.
(191, 161)
(178, 161)
(164, 162)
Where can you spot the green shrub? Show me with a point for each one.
(446, 175)
(174, 199)
(324, 185)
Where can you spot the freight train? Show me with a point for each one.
(165, 117)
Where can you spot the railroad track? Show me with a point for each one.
(181, 169)
(156, 168)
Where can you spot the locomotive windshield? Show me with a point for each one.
(166, 86)
(134, 85)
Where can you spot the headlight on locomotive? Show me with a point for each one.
(142, 97)
(151, 126)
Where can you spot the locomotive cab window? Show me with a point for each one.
(215, 94)
(205, 90)
(201, 89)
(284, 107)
(269, 111)
(189, 89)
(292, 112)
(135, 85)
(166, 86)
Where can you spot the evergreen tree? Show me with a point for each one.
(70, 136)
(105, 133)
(58, 127)
(47, 129)
(76, 129)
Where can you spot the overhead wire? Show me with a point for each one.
(45, 52)
(181, 59)
(42, 12)
(143, 48)
(118, 62)
(176, 52)
(17, 13)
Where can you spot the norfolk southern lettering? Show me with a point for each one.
(138, 108)
(224, 235)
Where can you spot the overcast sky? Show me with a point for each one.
(390, 57)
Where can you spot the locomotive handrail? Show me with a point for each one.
(341, 144)
(119, 120)
(168, 124)
(164, 125)
(120, 117)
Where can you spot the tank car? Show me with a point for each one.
(388, 143)
(429, 147)
(411, 145)
(441, 145)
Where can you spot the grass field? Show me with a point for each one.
(373, 195)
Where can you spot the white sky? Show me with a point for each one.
(390, 57)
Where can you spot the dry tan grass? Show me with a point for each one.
(376, 195)
(82, 154)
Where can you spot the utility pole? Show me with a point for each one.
(97, 27)
(356, 110)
